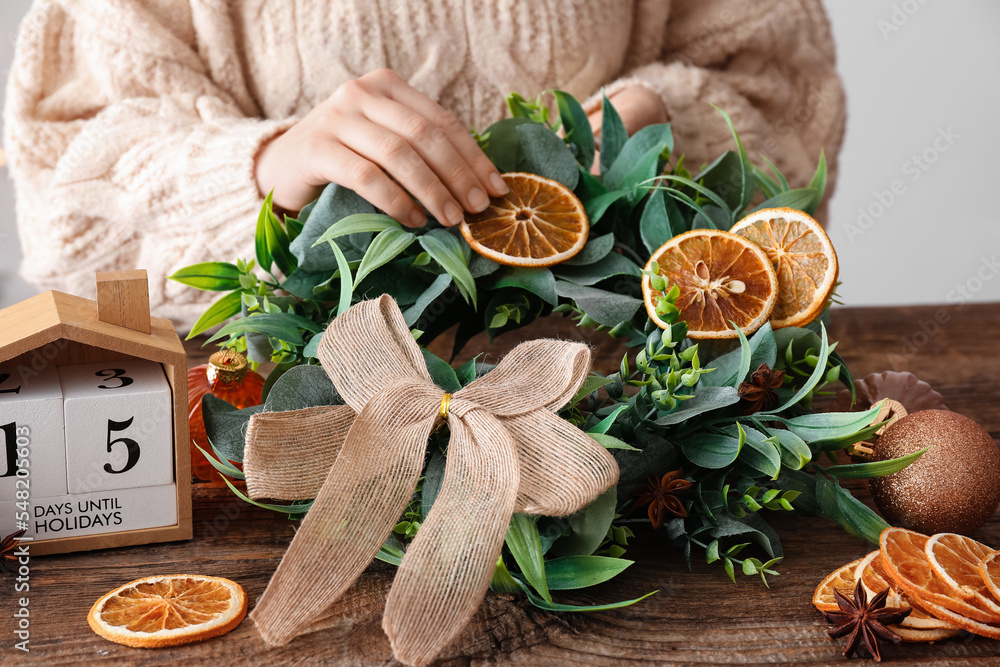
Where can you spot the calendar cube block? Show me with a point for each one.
(31, 423)
(92, 513)
(119, 426)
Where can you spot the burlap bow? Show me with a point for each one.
(509, 452)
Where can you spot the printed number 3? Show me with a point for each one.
(114, 374)
(132, 445)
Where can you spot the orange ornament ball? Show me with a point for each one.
(953, 488)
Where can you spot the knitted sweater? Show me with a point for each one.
(132, 125)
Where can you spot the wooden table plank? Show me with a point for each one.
(698, 617)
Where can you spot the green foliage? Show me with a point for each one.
(671, 405)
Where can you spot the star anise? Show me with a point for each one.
(7, 549)
(759, 393)
(865, 621)
(663, 496)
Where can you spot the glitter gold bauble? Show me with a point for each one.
(953, 488)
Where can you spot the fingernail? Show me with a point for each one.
(499, 184)
(478, 200)
(452, 213)
(418, 219)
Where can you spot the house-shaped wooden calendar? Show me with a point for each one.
(93, 420)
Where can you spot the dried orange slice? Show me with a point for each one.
(873, 579)
(955, 560)
(803, 257)
(991, 630)
(540, 222)
(841, 579)
(989, 569)
(168, 610)
(905, 563)
(722, 278)
(918, 635)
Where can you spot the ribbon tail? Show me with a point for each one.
(366, 491)
(289, 454)
(562, 468)
(448, 566)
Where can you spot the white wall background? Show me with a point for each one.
(915, 215)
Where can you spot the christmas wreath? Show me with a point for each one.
(709, 437)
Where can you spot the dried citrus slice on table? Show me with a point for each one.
(168, 610)
(540, 222)
(841, 579)
(803, 257)
(955, 560)
(873, 578)
(722, 278)
(989, 569)
(906, 564)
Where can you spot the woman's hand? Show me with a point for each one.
(638, 107)
(382, 138)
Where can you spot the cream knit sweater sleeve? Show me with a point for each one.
(770, 64)
(128, 148)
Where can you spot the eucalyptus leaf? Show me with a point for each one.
(209, 276)
(705, 400)
(577, 127)
(598, 206)
(526, 547)
(814, 379)
(545, 154)
(760, 453)
(597, 248)
(441, 372)
(638, 157)
(711, 450)
(334, 204)
(872, 469)
(220, 311)
(605, 424)
(612, 265)
(800, 198)
(384, 248)
(818, 183)
(226, 426)
(591, 384)
(302, 387)
(589, 525)
(447, 251)
(538, 281)
(654, 225)
(357, 224)
(283, 326)
(613, 135)
(847, 511)
(433, 479)
(608, 308)
(611, 442)
(573, 572)
(412, 314)
(551, 606)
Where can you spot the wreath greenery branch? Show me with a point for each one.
(671, 404)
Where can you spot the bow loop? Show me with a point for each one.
(538, 374)
(369, 348)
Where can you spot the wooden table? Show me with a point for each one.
(698, 616)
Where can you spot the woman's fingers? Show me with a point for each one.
(444, 169)
(414, 164)
(337, 163)
(458, 136)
